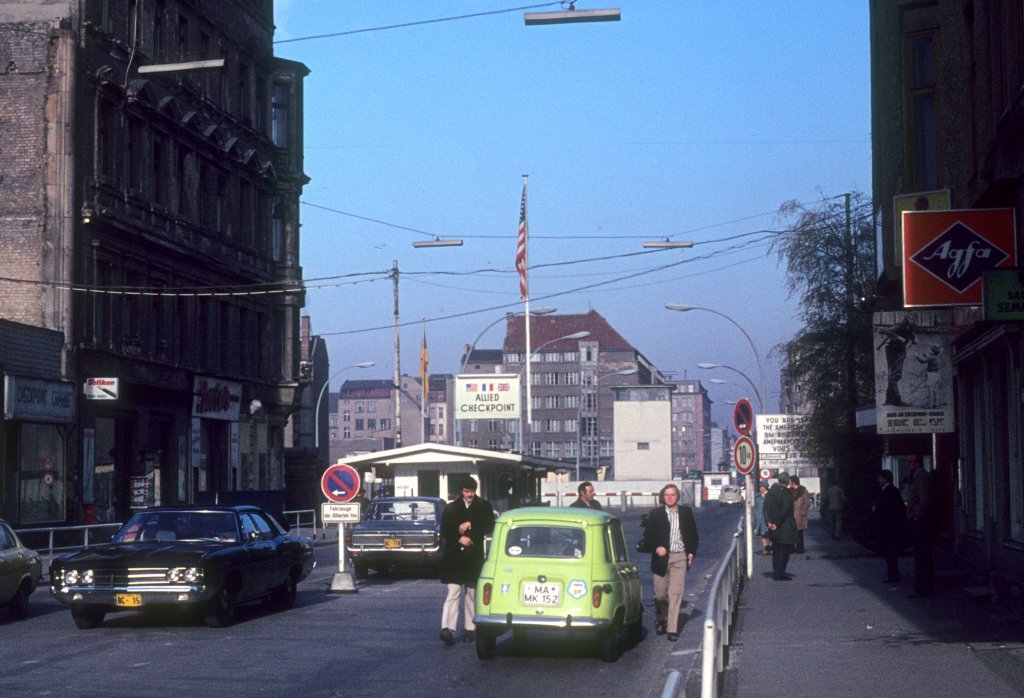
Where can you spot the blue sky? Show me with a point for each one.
(685, 120)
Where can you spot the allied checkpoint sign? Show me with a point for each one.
(778, 441)
(487, 396)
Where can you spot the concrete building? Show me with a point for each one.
(948, 116)
(691, 429)
(151, 219)
(644, 435)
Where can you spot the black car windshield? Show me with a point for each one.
(170, 526)
(546, 541)
(400, 510)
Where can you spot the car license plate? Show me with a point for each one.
(537, 594)
(392, 542)
(128, 600)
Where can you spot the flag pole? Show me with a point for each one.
(524, 245)
(425, 387)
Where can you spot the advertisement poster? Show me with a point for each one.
(913, 371)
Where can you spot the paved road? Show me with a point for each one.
(379, 641)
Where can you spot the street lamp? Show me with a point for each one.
(719, 381)
(582, 334)
(320, 397)
(579, 413)
(760, 367)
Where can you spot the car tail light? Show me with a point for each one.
(487, 594)
(348, 538)
(597, 595)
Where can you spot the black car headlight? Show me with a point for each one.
(74, 577)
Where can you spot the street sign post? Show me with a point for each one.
(744, 454)
(339, 513)
(340, 483)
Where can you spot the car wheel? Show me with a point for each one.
(360, 569)
(486, 643)
(635, 631)
(220, 613)
(19, 604)
(87, 618)
(611, 644)
(283, 597)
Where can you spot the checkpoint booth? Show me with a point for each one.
(507, 480)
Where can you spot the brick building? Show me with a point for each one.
(150, 216)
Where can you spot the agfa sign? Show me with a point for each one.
(946, 253)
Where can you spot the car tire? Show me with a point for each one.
(283, 597)
(360, 569)
(87, 618)
(635, 632)
(220, 612)
(486, 644)
(611, 643)
(19, 604)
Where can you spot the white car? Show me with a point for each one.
(731, 495)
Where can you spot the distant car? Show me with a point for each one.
(205, 559)
(559, 571)
(20, 572)
(402, 532)
(731, 495)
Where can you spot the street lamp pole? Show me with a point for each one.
(579, 413)
(524, 435)
(760, 367)
(320, 397)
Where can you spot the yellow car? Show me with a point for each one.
(562, 571)
(20, 572)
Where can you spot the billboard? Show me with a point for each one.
(913, 371)
(946, 253)
(487, 396)
(779, 439)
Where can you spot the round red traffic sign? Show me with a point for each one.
(765, 474)
(744, 455)
(743, 416)
(340, 483)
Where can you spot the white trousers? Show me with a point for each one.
(450, 611)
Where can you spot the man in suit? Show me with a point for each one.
(921, 512)
(891, 520)
(586, 500)
(778, 513)
(671, 534)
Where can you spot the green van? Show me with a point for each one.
(559, 570)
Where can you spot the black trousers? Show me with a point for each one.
(924, 567)
(780, 559)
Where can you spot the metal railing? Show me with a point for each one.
(54, 540)
(301, 516)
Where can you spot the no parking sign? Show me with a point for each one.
(340, 483)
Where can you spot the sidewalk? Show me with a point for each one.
(836, 630)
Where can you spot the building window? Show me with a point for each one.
(572, 401)
(571, 378)
(552, 425)
(474, 425)
(643, 446)
(359, 425)
(552, 449)
(360, 406)
(346, 416)
(279, 115)
(385, 424)
(346, 433)
(590, 401)
(492, 425)
(551, 402)
(371, 425)
(492, 444)
(371, 406)
(570, 449)
(551, 378)
(923, 109)
(606, 448)
(571, 425)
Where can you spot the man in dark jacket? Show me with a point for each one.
(465, 523)
(586, 500)
(671, 535)
(891, 520)
(778, 513)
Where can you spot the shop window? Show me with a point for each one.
(41, 475)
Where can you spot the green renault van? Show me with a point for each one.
(559, 570)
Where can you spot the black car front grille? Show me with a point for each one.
(131, 577)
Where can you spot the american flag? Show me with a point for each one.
(521, 247)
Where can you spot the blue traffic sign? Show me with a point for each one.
(340, 482)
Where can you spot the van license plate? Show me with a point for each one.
(537, 594)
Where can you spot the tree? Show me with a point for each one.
(829, 252)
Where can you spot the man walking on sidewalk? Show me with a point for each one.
(671, 534)
(778, 512)
(921, 512)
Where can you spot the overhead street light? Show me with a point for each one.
(437, 242)
(320, 397)
(180, 67)
(719, 381)
(572, 16)
(669, 244)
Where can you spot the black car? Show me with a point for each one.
(396, 532)
(204, 559)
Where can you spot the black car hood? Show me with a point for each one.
(143, 554)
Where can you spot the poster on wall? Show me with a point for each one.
(913, 371)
